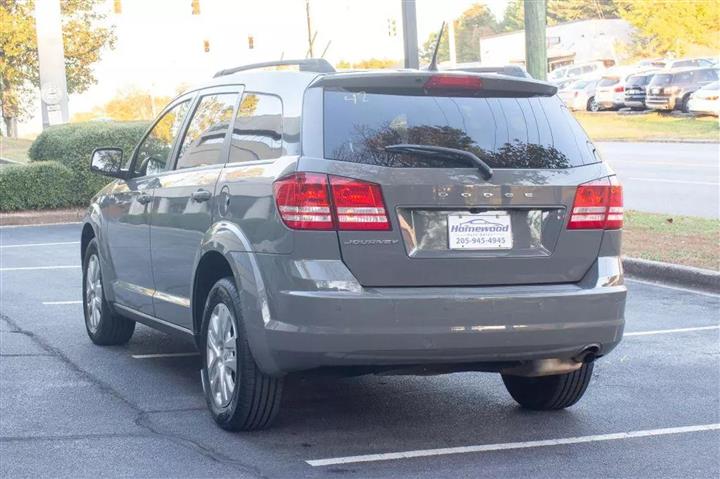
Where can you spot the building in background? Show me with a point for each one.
(581, 41)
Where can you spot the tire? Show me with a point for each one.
(548, 393)
(684, 104)
(592, 105)
(103, 325)
(249, 399)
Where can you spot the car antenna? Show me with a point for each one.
(433, 63)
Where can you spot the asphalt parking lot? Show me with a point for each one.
(72, 409)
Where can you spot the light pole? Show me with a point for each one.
(410, 39)
(51, 60)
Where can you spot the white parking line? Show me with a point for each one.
(675, 288)
(510, 445)
(40, 224)
(164, 355)
(669, 331)
(54, 303)
(37, 244)
(662, 180)
(31, 268)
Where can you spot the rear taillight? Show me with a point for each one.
(598, 205)
(619, 89)
(304, 203)
(453, 82)
(358, 205)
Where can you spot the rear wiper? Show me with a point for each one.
(441, 151)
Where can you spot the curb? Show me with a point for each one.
(657, 140)
(686, 276)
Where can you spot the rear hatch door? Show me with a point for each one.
(450, 225)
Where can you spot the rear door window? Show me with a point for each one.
(536, 132)
(258, 129)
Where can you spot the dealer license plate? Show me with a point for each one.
(489, 231)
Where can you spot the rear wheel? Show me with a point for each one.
(240, 396)
(103, 325)
(684, 104)
(549, 392)
(592, 104)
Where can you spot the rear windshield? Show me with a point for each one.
(536, 132)
(638, 80)
(608, 81)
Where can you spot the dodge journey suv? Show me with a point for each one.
(394, 222)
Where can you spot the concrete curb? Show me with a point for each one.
(686, 276)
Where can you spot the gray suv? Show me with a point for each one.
(394, 222)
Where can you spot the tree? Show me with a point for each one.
(475, 22)
(560, 11)
(369, 64)
(127, 105)
(664, 27)
(84, 39)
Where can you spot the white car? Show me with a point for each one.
(580, 95)
(706, 100)
(610, 92)
(569, 72)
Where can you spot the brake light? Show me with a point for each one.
(304, 203)
(358, 205)
(598, 205)
(619, 89)
(453, 82)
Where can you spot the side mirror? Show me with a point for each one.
(108, 162)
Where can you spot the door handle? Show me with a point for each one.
(144, 199)
(200, 195)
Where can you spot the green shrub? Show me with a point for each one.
(46, 184)
(72, 144)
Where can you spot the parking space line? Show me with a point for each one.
(54, 303)
(31, 268)
(668, 331)
(676, 288)
(37, 244)
(40, 224)
(164, 355)
(510, 445)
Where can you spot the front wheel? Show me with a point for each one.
(103, 325)
(240, 396)
(546, 393)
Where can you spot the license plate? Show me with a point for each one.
(489, 231)
(655, 91)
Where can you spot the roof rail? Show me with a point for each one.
(319, 65)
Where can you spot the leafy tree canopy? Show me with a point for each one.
(85, 36)
(127, 105)
(369, 64)
(475, 22)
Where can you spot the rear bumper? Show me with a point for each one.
(314, 314)
(660, 102)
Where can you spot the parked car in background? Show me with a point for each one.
(580, 95)
(610, 92)
(671, 90)
(477, 67)
(573, 71)
(635, 86)
(706, 101)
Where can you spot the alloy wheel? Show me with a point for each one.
(93, 293)
(221, 355)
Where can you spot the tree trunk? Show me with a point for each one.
(10, 126)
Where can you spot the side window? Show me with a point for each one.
(203, 141)
(153, 154)
(258, 129)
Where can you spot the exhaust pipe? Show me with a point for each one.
(552, 367)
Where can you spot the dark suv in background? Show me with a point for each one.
(635, 89)
(395, 222)
(671, 90)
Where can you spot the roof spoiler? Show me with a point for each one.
(318, 65)
(415, 80)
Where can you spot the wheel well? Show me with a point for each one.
(212, 267)
(87, 235)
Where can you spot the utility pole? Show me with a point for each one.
(535, 38)
(410, 40)
(311, 38)
(51, 60)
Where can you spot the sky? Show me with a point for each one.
(160, 43)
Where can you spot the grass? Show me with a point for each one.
(14, 149)
(648, 127)
(685, 240)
